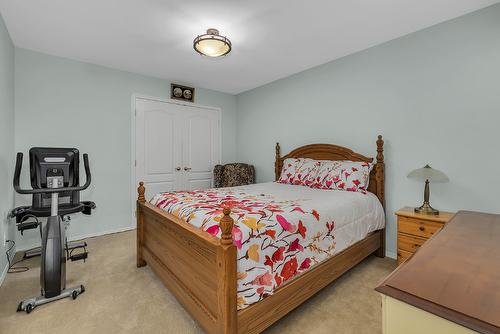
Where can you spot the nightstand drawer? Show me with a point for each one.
(403, 256)
(418, 227)
(409, 243)
(415, 228)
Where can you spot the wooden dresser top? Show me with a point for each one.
(443, 216)
(456, 274)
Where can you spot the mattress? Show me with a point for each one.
(280, 230)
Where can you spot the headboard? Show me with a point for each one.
(334, 152)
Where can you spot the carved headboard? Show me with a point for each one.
(334, 152)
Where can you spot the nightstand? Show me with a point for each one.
(414, 229)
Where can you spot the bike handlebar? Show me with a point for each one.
(17, 174)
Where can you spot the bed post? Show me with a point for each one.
(379, 177)
(140, 224)
(227, 296)
(277, 163)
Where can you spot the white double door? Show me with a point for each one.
(177, 146)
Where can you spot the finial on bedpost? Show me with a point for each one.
(140, 191)
(380, 149)
(226, 225)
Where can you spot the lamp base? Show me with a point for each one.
(426, 209)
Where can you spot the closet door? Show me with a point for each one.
(159, 146)
(201, 147)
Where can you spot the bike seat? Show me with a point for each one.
(84, 207)
(63, 209)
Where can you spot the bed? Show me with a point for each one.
(222, 278)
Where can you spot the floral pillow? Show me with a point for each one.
(290, 168)
(299, 171)
(343, 175)
(307, 172)
(328, 175)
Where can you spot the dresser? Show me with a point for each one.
(414, 229)
(451, 285)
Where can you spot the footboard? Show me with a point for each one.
(198, 268)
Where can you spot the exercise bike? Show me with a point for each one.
(54, 174)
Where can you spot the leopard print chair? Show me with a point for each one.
(232, 175)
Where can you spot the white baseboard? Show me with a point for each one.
(4, 273)
(83, 236)
(98, 234)
(392, 255)
(6, 268)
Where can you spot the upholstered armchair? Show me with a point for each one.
(232, 175)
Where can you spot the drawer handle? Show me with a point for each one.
(421, 228)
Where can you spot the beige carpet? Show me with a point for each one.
(123, 299)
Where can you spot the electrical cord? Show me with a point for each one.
(20, 269)
(12, 269)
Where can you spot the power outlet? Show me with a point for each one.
(8, 244)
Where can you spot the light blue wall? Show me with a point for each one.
(6, 139)
(66, 103)
(434, 95)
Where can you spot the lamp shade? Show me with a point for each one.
(212, 44)
(428, 173)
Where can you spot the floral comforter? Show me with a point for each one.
(280, 230)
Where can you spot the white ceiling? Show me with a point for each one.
(271, 39)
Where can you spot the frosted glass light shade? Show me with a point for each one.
(428, 173)
(212, 44)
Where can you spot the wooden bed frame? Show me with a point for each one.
(200, 269)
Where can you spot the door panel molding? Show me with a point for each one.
(196, 178)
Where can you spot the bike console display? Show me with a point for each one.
(48, 164)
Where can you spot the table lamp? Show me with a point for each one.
(428, 174)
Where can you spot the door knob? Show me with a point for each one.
(187, 168)
(177, 168)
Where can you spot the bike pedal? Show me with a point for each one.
(29, 225)
(79, 256)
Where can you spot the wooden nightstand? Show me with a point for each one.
(414, 229)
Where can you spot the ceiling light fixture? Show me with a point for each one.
(212, 44)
